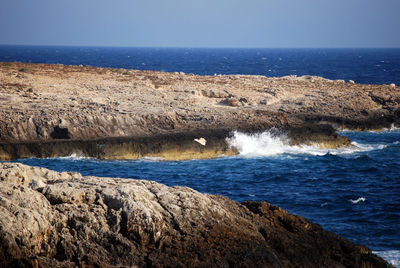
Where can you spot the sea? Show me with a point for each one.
(354, 192)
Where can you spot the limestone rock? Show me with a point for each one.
(50, 219)
(72, 107)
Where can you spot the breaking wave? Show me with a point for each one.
(74, 156)
(392, 128)
(273, 142)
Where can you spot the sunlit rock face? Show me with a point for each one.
(57, 110)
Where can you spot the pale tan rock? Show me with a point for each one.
(82, 104)
(94, 103)
(90, 221)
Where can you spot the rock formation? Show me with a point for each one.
(50, 219)
(114, 113)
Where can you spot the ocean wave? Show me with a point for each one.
(358, 200)
(386, 130)
(391, 256)
(150, 159)
(392, 128)
(74, 156)
(260, 144)
(273, 142)
(368, 147)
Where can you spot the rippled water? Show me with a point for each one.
(370, 66)
(352, 192)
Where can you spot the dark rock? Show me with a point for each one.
(60, 133)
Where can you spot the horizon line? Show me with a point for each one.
(194, 47)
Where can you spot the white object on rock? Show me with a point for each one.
(392, 85)
(202, 141)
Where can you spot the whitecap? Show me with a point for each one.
(324, 204)
(358, 200)
(391, 256)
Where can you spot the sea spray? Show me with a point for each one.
(266, 143)
(274, 142)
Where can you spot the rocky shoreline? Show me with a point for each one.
(56, 110)
(51, 219)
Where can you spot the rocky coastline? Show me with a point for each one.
(56, 110)
(50, 219)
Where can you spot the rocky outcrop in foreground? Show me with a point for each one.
(50, 219)
(56, 110)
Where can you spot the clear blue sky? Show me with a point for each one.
(202, 23)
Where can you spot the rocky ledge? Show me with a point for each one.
(56, 110)
(50, 219)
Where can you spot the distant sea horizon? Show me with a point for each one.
(362, 65)
(194, 47)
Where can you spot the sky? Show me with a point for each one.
(202, 23)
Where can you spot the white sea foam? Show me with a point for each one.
(368, 147)
(392, 128)
(261, 144)
(272, 142)
(74, 156)
(151, 159)
(358, 200)
(391, 256)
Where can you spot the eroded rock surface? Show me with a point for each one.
(50, 219)
(57, 103)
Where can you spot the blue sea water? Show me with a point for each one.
(352, 192)
(369, 66)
